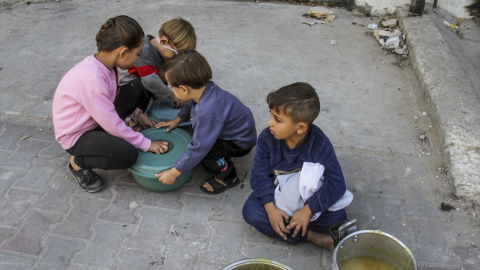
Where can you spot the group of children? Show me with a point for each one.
(98, 111)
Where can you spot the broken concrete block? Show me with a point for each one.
(390, 23)
(320, 12)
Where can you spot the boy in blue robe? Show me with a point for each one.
(282, 148)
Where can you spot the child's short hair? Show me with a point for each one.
(190, 68)
(180, 33)
(298, 100)
(119, 31)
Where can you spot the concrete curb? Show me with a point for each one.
(455, 108)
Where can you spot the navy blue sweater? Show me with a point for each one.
(217, 115)
(272, 154)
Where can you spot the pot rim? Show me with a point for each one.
(256, 260)
(164, 111)
(334, 255)
(148, 164)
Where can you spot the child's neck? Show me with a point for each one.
(197, 93)
(106, 58)
(295, 140)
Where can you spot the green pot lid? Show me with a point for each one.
(162, 110)
(149, 164)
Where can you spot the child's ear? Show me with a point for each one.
(302, 127)
(163, 40)
(185, 89)
(123, 52)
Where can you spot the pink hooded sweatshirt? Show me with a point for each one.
(84, 100)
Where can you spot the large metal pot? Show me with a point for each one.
(256, 264)
(374, 244)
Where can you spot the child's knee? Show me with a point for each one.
(128, 156)
(131, 159)
(246, 212)
(135, 91)
(341, 214)
(247, 209)
(250, 210)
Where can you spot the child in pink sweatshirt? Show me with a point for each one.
(86, 107)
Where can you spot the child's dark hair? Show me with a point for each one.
(298, 100)
(190, 69)
(119, 31)
(180, 33)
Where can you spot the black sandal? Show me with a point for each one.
(218, 186)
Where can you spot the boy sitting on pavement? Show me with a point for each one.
(290, 143)
(223, 127)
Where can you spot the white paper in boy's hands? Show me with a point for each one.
(309, 179)
(308, 185)
(287, 196)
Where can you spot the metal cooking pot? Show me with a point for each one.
(256, 264)
(374, 244)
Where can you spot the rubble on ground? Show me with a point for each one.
(390, 36)
(321, 13)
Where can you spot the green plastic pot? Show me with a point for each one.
(163, 110)
(148, 164)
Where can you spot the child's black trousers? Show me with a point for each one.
(218, 162)
(98, 149)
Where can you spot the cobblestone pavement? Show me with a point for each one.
(398, 179)
(46, 222)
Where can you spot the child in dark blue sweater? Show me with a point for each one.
(223, 127)
(290, 141)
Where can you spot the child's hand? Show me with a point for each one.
(177, 103)
(278, 219)
(300, 220)
(172, 124)
(144, 120)
(158, 147)
(168, 177)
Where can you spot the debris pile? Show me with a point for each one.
(320, 13)
(390, 36)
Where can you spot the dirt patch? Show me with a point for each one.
(401, 62)
(474, 9)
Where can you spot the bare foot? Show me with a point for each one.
(321, 239)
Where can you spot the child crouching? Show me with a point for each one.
(223, 127)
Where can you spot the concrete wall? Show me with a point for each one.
(385, 7)
(456, 7)
(374, 7)
(381, 7)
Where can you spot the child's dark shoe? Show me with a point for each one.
(216, 186)
(136, 126)
(87, 179)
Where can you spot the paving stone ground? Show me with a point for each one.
(46, 222)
